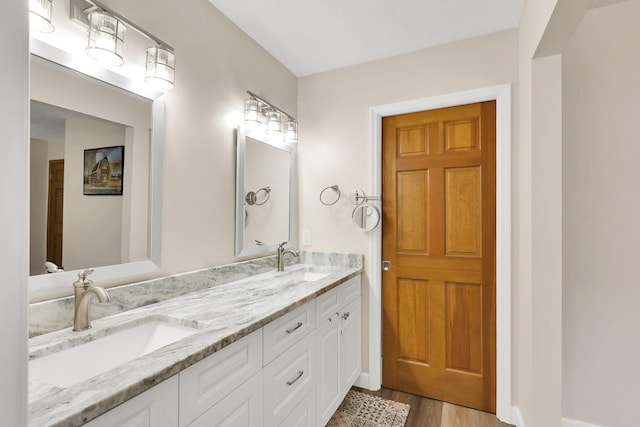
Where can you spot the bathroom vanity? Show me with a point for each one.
(273, 349)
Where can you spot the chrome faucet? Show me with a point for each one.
(282, 252)
(83, 291)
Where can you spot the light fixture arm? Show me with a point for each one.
(93, 5)
(254, 96)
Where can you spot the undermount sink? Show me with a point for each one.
(306, 275)
(76, 364)
(312, 276)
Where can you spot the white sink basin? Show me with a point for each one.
(76, 364)
(312, 276)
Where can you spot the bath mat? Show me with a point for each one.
(363, 410)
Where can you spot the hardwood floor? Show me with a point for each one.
(433, 413)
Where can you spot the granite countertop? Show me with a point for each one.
(223, 314)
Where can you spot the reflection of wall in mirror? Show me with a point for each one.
(266, 166)
(92, 224)
(54, 85)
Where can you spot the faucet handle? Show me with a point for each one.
(281, 245)
(82, 278)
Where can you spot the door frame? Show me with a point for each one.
(502, 95)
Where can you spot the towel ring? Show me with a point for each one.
(252, 197)
(327, 200)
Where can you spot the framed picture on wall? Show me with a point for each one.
(103, 171)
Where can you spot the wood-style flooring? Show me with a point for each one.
(434, 413)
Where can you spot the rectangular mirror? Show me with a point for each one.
(76, 119)
(265, 193)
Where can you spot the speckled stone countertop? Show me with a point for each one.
(223, 314)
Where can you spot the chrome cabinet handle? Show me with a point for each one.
(346, 315)
(289, 331)
(337, 315)
(300, 374)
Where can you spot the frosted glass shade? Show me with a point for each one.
(106, 39)
(290, 131)
(40, 14)
(160, 68)
(252, 112)
(274, 122)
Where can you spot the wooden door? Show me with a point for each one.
(54, 211)
(439, 234)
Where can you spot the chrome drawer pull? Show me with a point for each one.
(294, 328)
(346, 315)
(300, 374)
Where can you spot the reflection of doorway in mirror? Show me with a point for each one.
(54, 212)
(42, 152)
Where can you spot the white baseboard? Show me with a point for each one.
(363, 382)
(516, 417)
(567, 422)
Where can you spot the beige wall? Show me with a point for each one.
(334, 131)
(530, 401)
(601, 206)
(215, 64)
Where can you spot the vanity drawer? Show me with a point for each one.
(241, 408)
(285, 331)
(155, 407)
(208, 381)
(327, 306)
(289, 379)
(349, 290)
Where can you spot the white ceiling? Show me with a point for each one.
(312, 36)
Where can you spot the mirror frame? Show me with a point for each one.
(242, 133)
(42, 51)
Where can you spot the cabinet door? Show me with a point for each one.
(350, 344)
(303, 415)
(156, 407)
(241, 408)
(329, 383)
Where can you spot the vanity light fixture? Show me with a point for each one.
(106, 34)
(106, 39)
(160, 67)
(40, 14)
(258, 112)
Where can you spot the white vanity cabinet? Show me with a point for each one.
(293, 372)
(339, 345)
(156, 407)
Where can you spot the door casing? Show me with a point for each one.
(502, 95)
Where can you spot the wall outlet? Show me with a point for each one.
(306, 237)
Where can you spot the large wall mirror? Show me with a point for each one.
(265, 193)
(96, 170)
